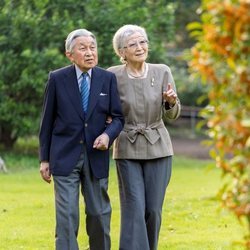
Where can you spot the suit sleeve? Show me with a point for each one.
(114, 129)
(47, 120)
(170, 112)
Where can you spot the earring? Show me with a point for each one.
(123, 60)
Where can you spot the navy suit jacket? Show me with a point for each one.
(64, 127)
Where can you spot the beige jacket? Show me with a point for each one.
(144, 135)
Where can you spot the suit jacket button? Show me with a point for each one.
(81, 141)
(86, 125)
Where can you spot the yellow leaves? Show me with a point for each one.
(195, 29)
(210, 32)
(201, 62)
(246, 123)
(228, 9)
(239, 129)
(245, 2)
(223, 165)
(241, 20)
(231, 63)
(212, 6)
(240, 69)
(248, 142)
(195, 52)
(219, 49)
(221, 33)
(225, 41)
(239, 162)
(243, 209)
(240, 30)
(221, 56)
(243, 10)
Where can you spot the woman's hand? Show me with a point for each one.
(169, 95)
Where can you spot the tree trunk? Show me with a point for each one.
(6, 137)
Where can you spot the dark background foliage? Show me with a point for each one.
(32, 35)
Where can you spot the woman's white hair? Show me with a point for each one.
(122, 34)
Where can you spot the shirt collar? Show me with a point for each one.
(79, 72)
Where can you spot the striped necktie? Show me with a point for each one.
(84, 90)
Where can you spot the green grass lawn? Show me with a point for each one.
(191, 219)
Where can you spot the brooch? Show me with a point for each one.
(152, 81)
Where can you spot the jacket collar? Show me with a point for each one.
(72, 88)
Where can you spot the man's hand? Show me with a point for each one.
(44, 171)
(101, 142)
(169, 95)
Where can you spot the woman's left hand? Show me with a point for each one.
(169, 95)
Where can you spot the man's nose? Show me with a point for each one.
(88, 52)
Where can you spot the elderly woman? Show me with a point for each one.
(143, 150)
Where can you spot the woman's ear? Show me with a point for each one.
(122, 53)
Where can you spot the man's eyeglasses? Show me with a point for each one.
(134, 45)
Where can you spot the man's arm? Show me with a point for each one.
(47, 120)
(115, 120)
(115, 127)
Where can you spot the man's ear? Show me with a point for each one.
(69, 56)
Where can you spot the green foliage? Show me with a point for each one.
(27, 146)
(186, 12)
(29, 49)
(105, 17)
(32, 34)
(221, 58)
(191, 91)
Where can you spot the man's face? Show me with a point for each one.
(84, 53)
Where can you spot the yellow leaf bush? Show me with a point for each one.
(221, 58)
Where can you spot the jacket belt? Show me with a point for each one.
(150, 132)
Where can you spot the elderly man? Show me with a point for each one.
(75, 139)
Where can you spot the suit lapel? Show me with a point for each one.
(72, 89)
(95, 90)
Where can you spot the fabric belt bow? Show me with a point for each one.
(150, 132)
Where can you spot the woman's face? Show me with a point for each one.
(135, 49)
